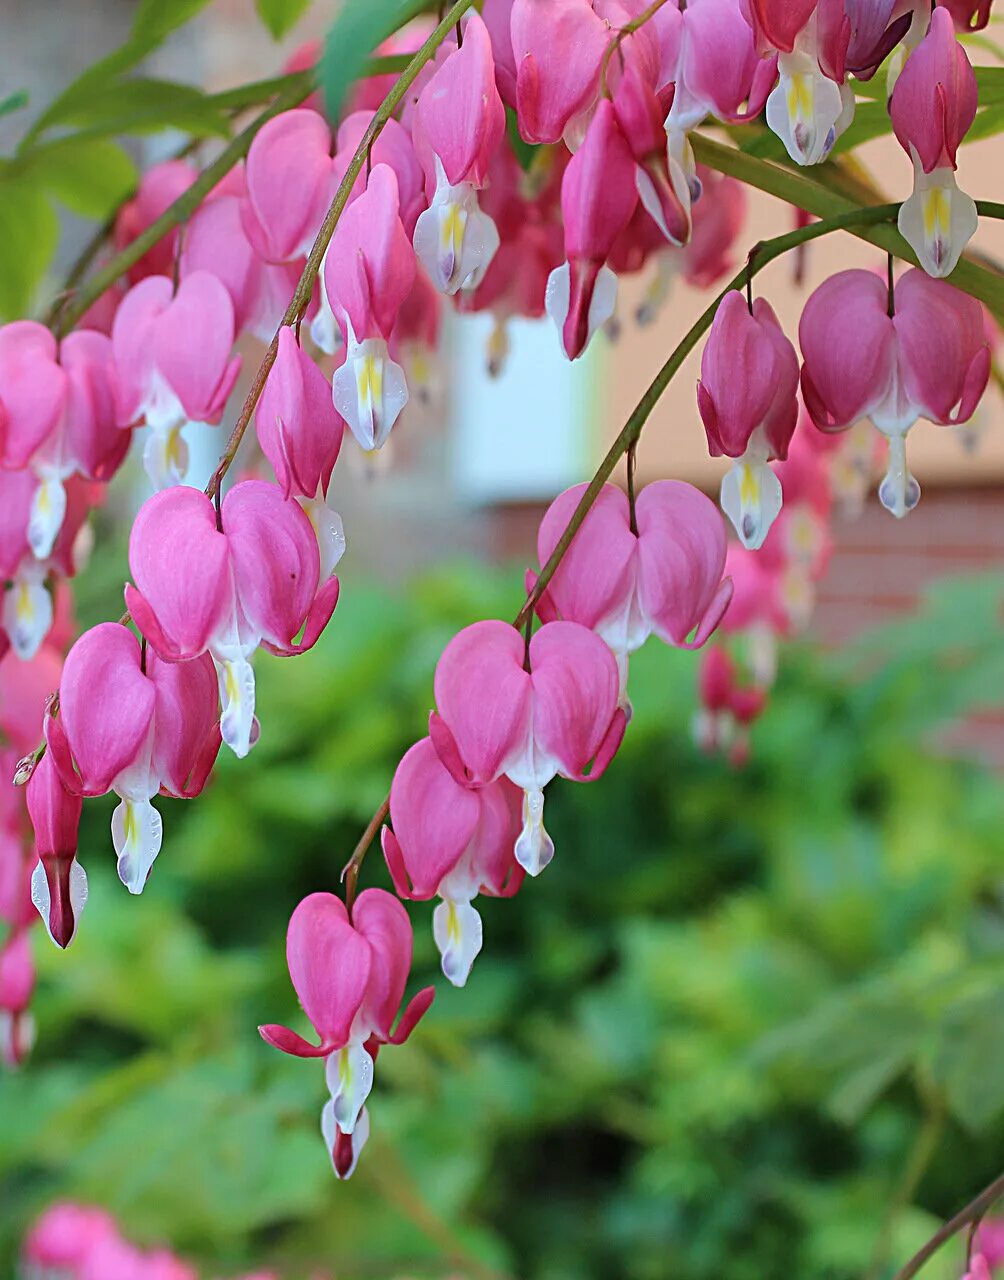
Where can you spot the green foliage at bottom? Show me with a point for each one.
(746, 1025)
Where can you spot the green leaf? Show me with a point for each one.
(359, 28)
(92, 178)
(14, 102)
(29, 233)
(139, 105)
(281, 16)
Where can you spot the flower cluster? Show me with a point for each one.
(430, 205)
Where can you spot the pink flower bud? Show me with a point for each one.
(453, 843)
(298, 428)
(290, 184)
(747, 398)
(558, 47)
(58, 883)
(598, 197)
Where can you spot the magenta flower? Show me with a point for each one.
(368, 273)
(978, 1269)
(298, 427)
(451, 842)
(558, 47)
(225, 588)
(930, 359)
(131, 723)
(61, 1239)
(173, 354)
(290, 184)
(665, 580)
(159, 187)
(527, 716)
(349, 975)
(932, 106)
(598, 197)
(57, 417)
(662, 184)
(459, 123)
(58, 882)
(747, 398)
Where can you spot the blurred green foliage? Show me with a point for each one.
(747, 1024)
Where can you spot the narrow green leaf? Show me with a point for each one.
(281, 16)
(91, 178)
(29, 232)
(359, 28)
(140, 105)
(14, 102)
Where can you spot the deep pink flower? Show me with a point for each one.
(598, 197)
(747, 398)
(290, 184)
(778, 23)
(299, 430)
(173, 355)
(64, 1235)
(451, 842)
(17, 983)
(666, 579)
(527, 717)
(930, 359)
(254, 580)
(661, 182)
(969, 15)
(58, 882)
(134, 724)
(558, 48)
(368, 273)
(349, 975)
(979, 1268)
(718, 218)
(932, 107)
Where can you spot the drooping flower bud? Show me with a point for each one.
(59, 882)
(747, 398)
(598, 197)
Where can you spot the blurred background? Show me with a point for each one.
(750, 1023)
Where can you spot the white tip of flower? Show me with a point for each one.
(43, 902)
(137, 835)
(807, 110)
(329, 531)
(27, 613)
(237, 693)
(534, 848)
(48, 510)
(369, 391)
(165, 456)
(349, 1076)
(751, 498)
(456, 927)
(938, 220)
(344, 1148)
(454, 240)
(602, 305)
(898, 492)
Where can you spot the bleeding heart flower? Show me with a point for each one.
(451, 842)
(58, 882)
(930, 358)
(172, 350)
(748, 402)
(598, 196)
(290, 184)
(459, 123)
(552, 87)
(663, 576)
(527, 715)
(368, 273)
(225, 588)
(159, 187)
(131, 723)
(349, 975)
(932, 107)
